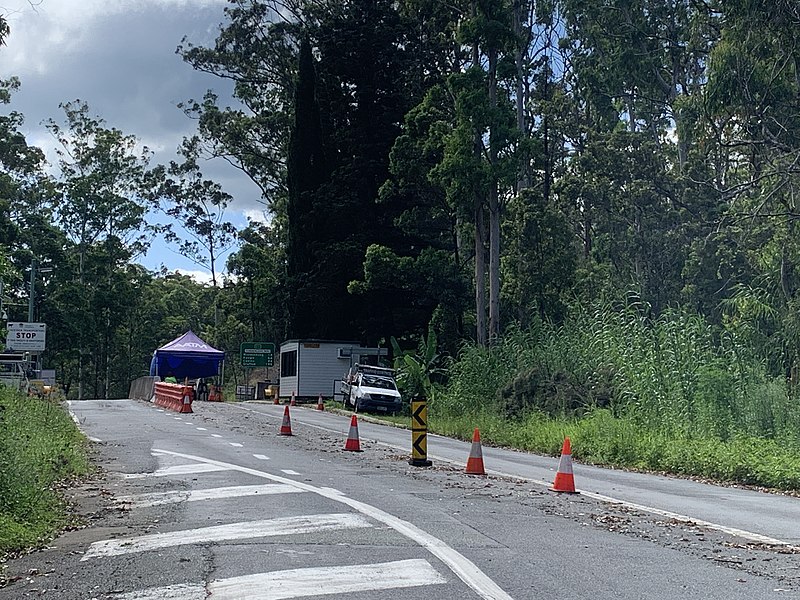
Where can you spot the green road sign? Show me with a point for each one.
(257, 354)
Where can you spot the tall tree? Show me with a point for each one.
(100, 209)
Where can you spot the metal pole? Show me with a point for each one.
(33, 290)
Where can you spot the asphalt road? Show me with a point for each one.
(216, 504)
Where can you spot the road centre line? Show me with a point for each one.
(216, 435)
(234, 531)
(261, 457)
(202, 429)
(175, 497)
(748, 535)
(236, 444)
(459, 564)
(300, 583)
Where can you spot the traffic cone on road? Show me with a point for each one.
(475, 460)
(286, 426)
(353, 444)
(277, 399)
(565, 481)
(293, 402)
(320, 403)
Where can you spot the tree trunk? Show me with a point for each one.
(480, 276)
(494, 210)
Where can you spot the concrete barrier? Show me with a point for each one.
(143, 388)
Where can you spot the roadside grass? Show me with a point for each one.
(41, 448)
(602, 439)
(670, 395)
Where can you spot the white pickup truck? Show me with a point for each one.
(371, 388)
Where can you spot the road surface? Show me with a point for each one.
(215, 504)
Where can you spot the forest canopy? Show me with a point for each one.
(471, 168)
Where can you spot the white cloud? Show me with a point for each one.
(257, 216)
(198, 276)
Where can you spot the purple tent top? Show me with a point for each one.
(186, 356)
(189, 343)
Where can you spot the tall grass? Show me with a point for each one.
(40, 446)
(677, 395)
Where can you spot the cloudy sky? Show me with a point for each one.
(119, 57)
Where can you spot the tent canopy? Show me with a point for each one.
(186, 356)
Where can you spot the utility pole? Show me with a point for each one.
(33, 290)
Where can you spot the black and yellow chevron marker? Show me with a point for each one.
(419, 433)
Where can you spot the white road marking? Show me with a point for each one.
(289, 472)
(300, 583)
(216, 435)
(177, 470)
(159, 498)
(261, 457)
(202, 429)
(94, 439)
(182, 591)
(748, 535)
(459, 564)
(236, 444)
(235, 531)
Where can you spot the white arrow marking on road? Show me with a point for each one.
(234, 531)
(177, 470)
(159, 498)
(300, 583)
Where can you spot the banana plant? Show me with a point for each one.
(415, 367)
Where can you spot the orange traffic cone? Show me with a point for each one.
(565, 482)
(286, 426)
(293, 402)
(320, 403)
(475, 460)
(276, 400)
(353, 444)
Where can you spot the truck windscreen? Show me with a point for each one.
(378, 382)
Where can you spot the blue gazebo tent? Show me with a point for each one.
(187, 356)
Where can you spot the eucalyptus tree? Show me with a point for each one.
(195, 205)
(637, 71)
(751, 123)
(99, 207)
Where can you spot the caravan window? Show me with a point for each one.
(289, 363)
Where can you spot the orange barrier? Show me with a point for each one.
(174, 396)
(353, 444)
(475, 460)
(286, 426)
(565, 481)
(214, 394)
